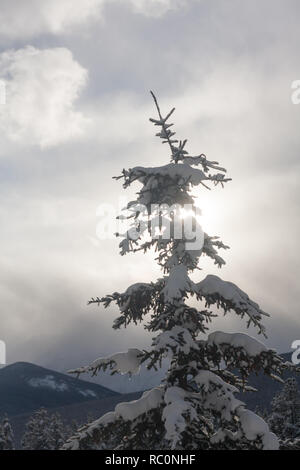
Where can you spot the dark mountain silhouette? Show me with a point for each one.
(25, 387)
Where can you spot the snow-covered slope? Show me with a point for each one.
(25, 387)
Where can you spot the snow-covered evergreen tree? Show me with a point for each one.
(36, 436)
(284, 419)
(2, 442)
(58, 432)
(7, 435)
(195, 407)
(44, 432)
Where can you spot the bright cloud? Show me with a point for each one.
(41, 88)
(41, 17)
(155, 7)
(37, 17)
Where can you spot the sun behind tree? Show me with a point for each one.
(195, 407)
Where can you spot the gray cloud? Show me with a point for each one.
(41, 87)
(228, 71)
(23, 21)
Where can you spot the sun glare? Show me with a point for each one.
(208, 213)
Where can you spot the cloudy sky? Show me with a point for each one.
(77, 76)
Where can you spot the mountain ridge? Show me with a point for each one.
(25, 387)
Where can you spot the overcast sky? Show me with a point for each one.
(78, 75)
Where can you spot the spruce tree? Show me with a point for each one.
(2, 442)
(58, 432)
(44, 432)
(195, 407)
(284, 419)
(7, 435)
(36, 436)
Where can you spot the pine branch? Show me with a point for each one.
(167, 134)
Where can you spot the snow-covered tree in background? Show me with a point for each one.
(195, 407)
(1, 439)
(58, 432)
(44, 432)
(6, 435)
(36, 436)
(284, 419)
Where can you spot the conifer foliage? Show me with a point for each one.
(195, 407)
(285, 411)
(44, 431)
(6, 435)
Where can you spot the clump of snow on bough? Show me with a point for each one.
(176, 283)
(229, 296)
(219, 396)
(123, 362)
(175, 412)
(128, 411)
(252, 346)
(176, 339)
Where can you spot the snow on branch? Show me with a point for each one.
(176, 284)
(136, 301)
(245, 354)
(254, 427)
(252, 346)
(124, 412)
(217, 395)
(175, 414)
(221, 398)
(180, 172)
(205, 379)
(202, 160)
(229, 296)
(176, 340)
(123, 362)
(149, 400)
